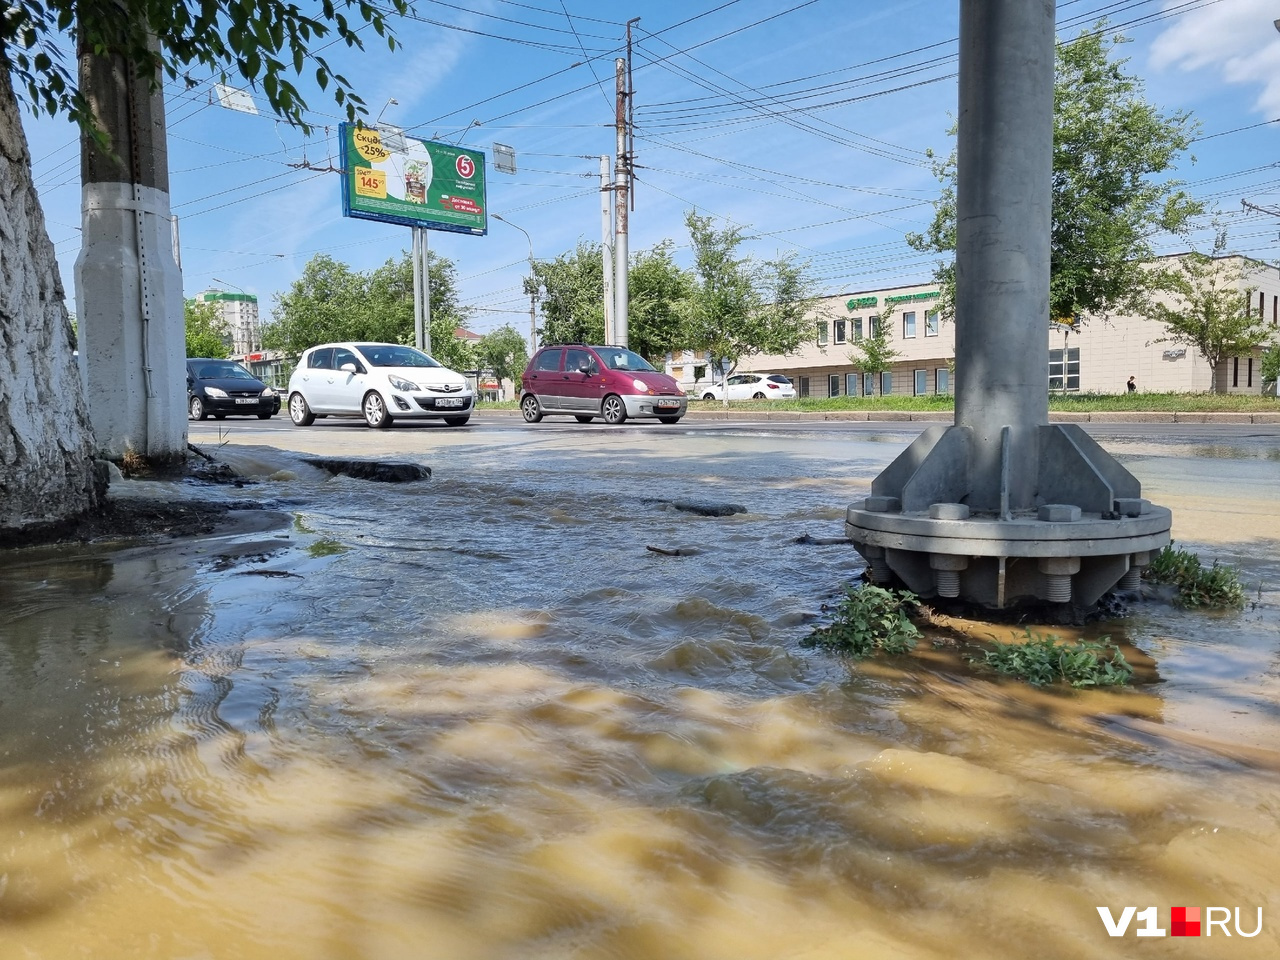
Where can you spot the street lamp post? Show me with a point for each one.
(533, 288)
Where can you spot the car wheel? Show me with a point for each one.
(708, 396)
(457, 421)
(531, 408)
(669, 419)
(264, 416)
(582, 418)
(299, 412)
(375, 410)
(613, 410)
(757, 396)
(195, 409)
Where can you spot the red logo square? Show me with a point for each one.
(1185, 922)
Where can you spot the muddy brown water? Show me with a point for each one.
(476, 719)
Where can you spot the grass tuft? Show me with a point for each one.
(869, 618)
(1217, 587)
(1042, 660)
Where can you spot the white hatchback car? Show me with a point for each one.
(749, 386)
(381, 382)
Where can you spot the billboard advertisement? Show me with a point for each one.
(395, 178)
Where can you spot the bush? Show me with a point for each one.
(1047, 659)
(1218, 587)
(869, 618)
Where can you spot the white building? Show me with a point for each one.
(1097, 356)
(239, 315)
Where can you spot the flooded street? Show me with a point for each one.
(476, 718)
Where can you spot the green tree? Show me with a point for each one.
(573, 305)
(874, 354)
(206, 332)
(1270, 368)
(505, 352)
(265, 42)
(332, 302)
(735, 307)
(1203, 300)
(1111, 151)
(656, 287)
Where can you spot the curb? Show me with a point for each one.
(907, 416)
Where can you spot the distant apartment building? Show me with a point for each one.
(239, 314)
(1098, 355)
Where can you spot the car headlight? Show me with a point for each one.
(268, 393)
(640, 385)
(399, 383)
(217, 393)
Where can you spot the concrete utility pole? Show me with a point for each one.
(621, 171)
(1004, 508)
(606, 252)
(128, 283)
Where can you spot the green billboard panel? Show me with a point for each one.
(395, 178)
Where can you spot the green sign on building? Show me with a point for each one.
(394, 178)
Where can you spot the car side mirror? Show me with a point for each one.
(584, 367)
(348, 368)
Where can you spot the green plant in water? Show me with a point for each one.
(1217, 587)
(869, 618)
(1041, 660)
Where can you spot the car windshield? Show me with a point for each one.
(223, 370)
(393, 355)
(615, 358)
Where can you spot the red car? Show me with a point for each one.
(607, 382)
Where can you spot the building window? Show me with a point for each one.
(922, 382)
(1235, 371)
(875, 326)
(1249, 382)
(886, 383)
(857, 329)
(833, 385)
(909, 324)
(851, 384)
(839, 331)
(931, 324)
(942, 380)
(1064, 376)
(868, 384)
(822, 333)
(804, 386)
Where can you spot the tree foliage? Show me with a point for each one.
(266, 43)
(737, 308)
(206, 331)
(331, 302)
(505, 352)
(573, 304)
(656, 286)
(1110, 150)
(874, 353)
(1203, 301)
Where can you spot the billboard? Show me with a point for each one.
(395, 178)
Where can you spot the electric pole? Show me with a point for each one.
(622, 187)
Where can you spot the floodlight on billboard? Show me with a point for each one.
(394, 178)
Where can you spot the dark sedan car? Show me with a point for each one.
(224, 388)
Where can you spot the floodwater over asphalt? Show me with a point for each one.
(478, 719)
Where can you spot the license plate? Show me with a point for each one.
(246, 399)
(449, 402)
(668, 403)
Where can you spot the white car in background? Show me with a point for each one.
(381, 382)
(748, 386)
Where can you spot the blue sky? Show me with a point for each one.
(803, 121)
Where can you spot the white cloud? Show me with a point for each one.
(1236, 40)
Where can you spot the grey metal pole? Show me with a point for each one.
(416, 257)
(426, 293)
(1003, 215)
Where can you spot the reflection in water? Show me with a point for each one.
(494, 725)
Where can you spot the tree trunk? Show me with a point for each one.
(46, 443)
